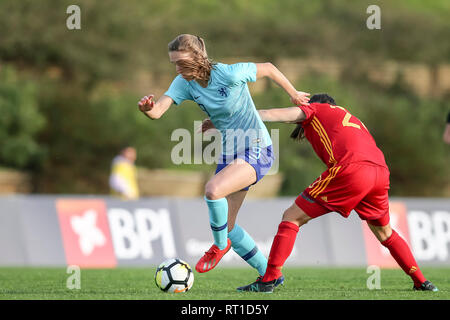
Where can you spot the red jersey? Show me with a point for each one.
(338, 137)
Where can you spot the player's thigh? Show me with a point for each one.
(235, 201)
(236, 176)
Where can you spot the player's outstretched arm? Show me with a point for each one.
(154, 110)
(288, 115)
(269, 70)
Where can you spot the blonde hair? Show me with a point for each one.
(200, 66)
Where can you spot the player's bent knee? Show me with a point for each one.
(382, 233)
(295, 215)
(212, 192)
(385, 233)
(303, 220)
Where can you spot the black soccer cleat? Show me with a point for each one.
(279, 281)
(426, 286)
(260, 286)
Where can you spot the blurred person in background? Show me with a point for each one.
(123, 177)
(446, 136)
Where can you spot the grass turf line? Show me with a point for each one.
(302, 283)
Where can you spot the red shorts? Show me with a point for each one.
(362, 187)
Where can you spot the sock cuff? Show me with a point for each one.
(288, 225)
(215, 202)
(391, 239)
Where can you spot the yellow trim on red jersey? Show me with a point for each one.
(324, 138)
(321, 185)
(324, 183)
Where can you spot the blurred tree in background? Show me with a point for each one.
(68, 97)
(20, 121)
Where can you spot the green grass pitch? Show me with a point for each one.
(26, 283)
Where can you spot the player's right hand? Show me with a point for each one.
(146, 103)
(300, 98)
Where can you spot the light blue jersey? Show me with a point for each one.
(228, 103)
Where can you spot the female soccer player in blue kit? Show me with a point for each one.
(221, 91)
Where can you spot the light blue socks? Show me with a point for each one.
(246, 248)
(242, 243)
(218, 218)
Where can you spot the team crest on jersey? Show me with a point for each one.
(223, 92)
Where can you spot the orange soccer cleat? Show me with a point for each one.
(211, 258)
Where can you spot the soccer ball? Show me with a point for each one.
(174, 275)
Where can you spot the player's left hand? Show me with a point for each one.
(300, 98)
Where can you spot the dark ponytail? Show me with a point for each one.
(298, 133)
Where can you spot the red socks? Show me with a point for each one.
(401, 252)
(282, 246)
(283, 243)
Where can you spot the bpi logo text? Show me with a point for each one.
(96, 237)
(430, 234)
(133, 234)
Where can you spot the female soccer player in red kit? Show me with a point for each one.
(357, 178)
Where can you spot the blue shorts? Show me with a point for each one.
(261, 159)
